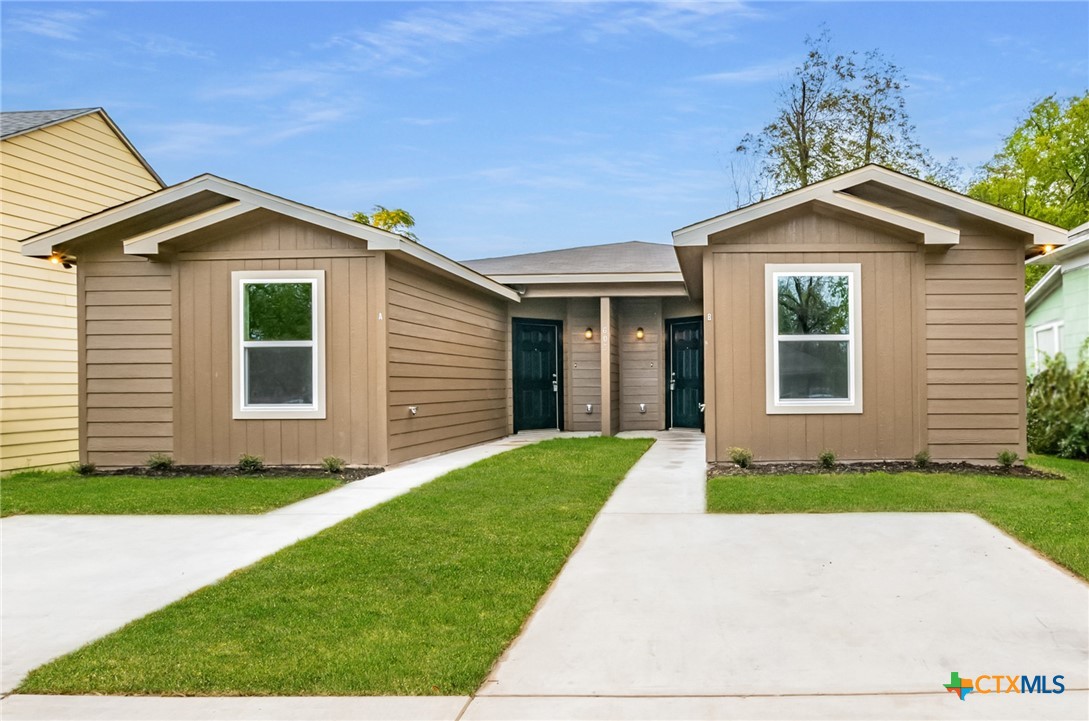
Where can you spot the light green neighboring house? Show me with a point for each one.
(1057, 307)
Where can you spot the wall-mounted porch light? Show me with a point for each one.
(589, 408)
(639, 334)
(57, 258)
(589, 333)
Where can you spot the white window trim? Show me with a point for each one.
(853, 403)
(1057, 326)
(239, 278)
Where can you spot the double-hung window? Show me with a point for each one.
(279, 343)
(1048, 340)
(814, 338)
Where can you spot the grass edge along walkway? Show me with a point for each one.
(1050, 516)
(68, 493)
(417, 596)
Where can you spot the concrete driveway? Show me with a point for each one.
(68, 580)
(665, 611)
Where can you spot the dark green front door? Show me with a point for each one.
(685, 378)
(537, 374)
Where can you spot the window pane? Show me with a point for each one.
(279, 376)
(814, 369)
(278, 311)
(1047, 341)
(813, 305)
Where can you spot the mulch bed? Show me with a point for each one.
(812, 469)
(348, 474)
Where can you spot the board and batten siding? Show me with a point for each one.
(584, 362)
(975, 339)
(353, 429)
(641, 363)
(125, 353)
(448, 357)
(891, 426)
(610, 363)
(48, 177)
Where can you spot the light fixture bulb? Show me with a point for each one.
(639, 333)
(589, 334)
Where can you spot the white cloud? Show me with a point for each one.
(167, 46)
(410, 44)
(752, 74)
(427, 122)
(56, 24)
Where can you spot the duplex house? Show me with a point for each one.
(872, 314)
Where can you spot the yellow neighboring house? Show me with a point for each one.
(56, 166)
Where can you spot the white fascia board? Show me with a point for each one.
(933, 233)
(696, 234)
(1043, 288)
(1042, 233)
(575, 278)
(431, 257)
(148, 243)
(1063, 254)
(43, 244)
(377, 239)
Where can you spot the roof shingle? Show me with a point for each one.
(20, 121)
(632, 257)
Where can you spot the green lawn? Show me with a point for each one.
(417, 596)
(68, 492)
(1049, 515)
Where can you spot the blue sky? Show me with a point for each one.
(510, 128)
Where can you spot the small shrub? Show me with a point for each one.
(827, 460)
(922, 459)
(1007, 458)
(160, 462)
(83, 469)
(250, 464)
(741, 456)
(332, 464)
(1057, 422)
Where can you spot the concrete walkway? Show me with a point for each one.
(68, 580)
(665, 612)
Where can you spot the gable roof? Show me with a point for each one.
(1052, 279)
(19, 122)
(836, 192)
(145, 224)
(635, 256)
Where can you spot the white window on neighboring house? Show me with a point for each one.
(814, 338)
(1048, 341)
(278, 349)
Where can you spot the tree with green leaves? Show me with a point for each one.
(839, 112)
(395, 220)
(1042, 169)
(799, 146)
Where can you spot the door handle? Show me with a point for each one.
(555, 384)
(672, 381)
